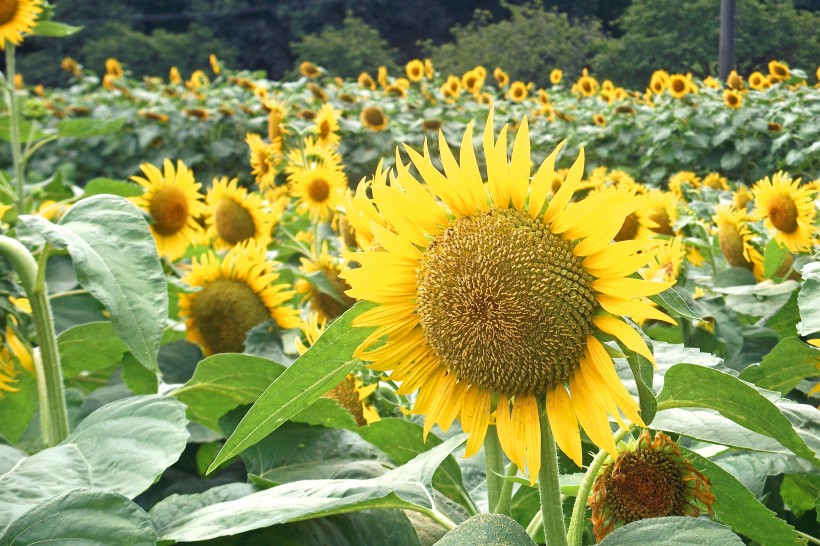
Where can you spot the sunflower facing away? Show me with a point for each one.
(492, 298)
(235, 294)
(234, 215)
(17, 17)
(787, 209)
(735, 239)
(173, 202)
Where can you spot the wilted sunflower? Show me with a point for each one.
(235, 294)
(174, 204)
(787, 209)
(555, 76)
(234, 215)
(17, 17)
(735, 239)
(491, 299)
(732, 99)
(327, 125)
(648, 479)
(374, 118)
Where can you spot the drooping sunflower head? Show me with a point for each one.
(491, 296)
(235, 215)
(235, 294)
(374, 118)
(17, 17)
(715, 181)
(787, 209)
(174, 204)
(309, 70)
(650, 478)
(327, 126)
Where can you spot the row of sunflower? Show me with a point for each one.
(587, 331)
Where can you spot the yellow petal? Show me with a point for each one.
(564, 424)
(631, 308)
(542, 182)
(630, 288)
(559, 201)
(520, 166)
(475, 417)
(625, 334)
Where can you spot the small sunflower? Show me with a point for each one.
(429, 70)
(472, 81)
(555, 76)
(490, 300)
(174, 76)
(682, 180)
(787, 209)
(779, 70)
(715, 181)
(741, 197)
(381, 76)
(735, 239)
(735, 81)
(374, 118)
(174, 204)
(309, 70)
(732, 99)
(325, 306)
(214, 62)
(414, 70)
(650, 478)
(366, 81)
(501, 77)
(679, 86)
(665, 266)
(659, 81)
(235, 294)
(587, 85)
(318, 187)
(518, 91)
(756, 80)
(599, 120)
(13, 353)
(327, 125)
(234, 215)
(263, 159)
(17, 17)
(661, 207)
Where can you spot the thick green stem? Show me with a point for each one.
(53, 413)
(504, 503)
(576, 522)
(14, 126)
(548, 485)
(708, 238)
(535, 524)
(494, 467)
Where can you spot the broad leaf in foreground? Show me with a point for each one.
(673, 531)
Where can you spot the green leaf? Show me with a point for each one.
(88, 127)
(89, 347)
(784, 367)
(85, 517)
(687, 385)
(54, 29)
(9, 456)
(738, 508)
(18, 408)
(674, 531)
(673, 302)
(314, 373)
(488, 529)
(773, 257)
(121, 447)
(224, 381)
(643, 373)
(808, 298)
(137, 377)
(405, 487)
(26, 129)
(109, 240)
(99, 186)
(799, 493)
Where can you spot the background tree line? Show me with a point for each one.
(618, 39)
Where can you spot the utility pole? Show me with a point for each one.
(726, 51)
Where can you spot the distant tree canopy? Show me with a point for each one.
(624, 40)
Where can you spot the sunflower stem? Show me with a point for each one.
(53, 413)
(505, 495)
(14, 130)
(808, 537)
(535, 524)
(578, 519)
(494, 467)
(548, 485)
(708, 238)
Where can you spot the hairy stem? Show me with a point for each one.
(548, 485)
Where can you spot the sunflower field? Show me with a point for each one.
(414, 308)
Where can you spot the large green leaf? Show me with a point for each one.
(18, 408)
(224, 381)
(673, 302)
(89, 347)
(784, 367)
(314, 373)
(687, 385)
(88, 127)
(121, 447)
(109, 241)
(54, 29)
(82, 517)
(488, 529)
(808, 298)
(738, 508)
(673, 531)
(403, 487)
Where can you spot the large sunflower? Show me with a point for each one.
(787, 209)
(17, 17)
(492, 299)
(235, 215)
(236, 293)
(173, 202)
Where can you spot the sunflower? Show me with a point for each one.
(679, 86)
(235, 294)
(637, 224)
(414, 70)
(501, 77)
(318, 187)
(17, 17)
(263, 159)
(742, 197)
(715, 181)
(324, 305)
(555, 76)
(518, 91)
(661, 207)
(374, 118)
(71, 66)
(14, 352)
(491, 299)
(599, 120)
(756, 80)
(309, 70)
(234, 215)
(650, 478)
(779, 70)
(787, 209)
(429, 70)
(472, 81)
(734, 81)
(587, 85)
(381, 76)
(365, 81)
(327, 125)
(732, 99)
(174, 204)
(665, 266)
(735, 239)
(681, 180)
(659, 81)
